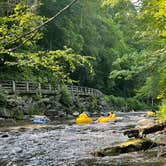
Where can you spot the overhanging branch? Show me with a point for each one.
(43, 24)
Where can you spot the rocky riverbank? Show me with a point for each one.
(63, 104)
(68, 144)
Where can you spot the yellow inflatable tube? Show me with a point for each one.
(83, 119)
(107, 119)
(151, 113)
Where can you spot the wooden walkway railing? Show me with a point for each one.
(45, 88)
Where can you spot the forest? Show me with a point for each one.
(116, 46)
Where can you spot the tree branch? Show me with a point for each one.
(44, 23)
(29, 38)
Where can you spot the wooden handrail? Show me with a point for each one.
(45, 88)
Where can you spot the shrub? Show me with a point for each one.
(65, 96)
(116, 101)
(18, 114)
(120, 103)
(3, 97)
(36, 111)
(135, 104)
(162, 113)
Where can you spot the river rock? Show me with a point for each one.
(61, 114)
(75, 113)
(44, 100)
(161, 139)
(7, 122)
(131, 145)
(145, 123)
(48, 106)
(2, 120)
(12, 102)
(95, 113)
(69, 116)
(4, 112)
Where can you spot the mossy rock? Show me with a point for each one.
(131, 145)
(18, 114)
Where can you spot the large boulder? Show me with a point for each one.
(145, 123)
(7, 122)
(12, 102)
(4, 112)
(131, 145)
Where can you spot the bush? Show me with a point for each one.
(120, 103)
(36, 111)
(162, 113)
(65, 96)
(18, 114)
(3, 97)
(116, 102)
(135, 104)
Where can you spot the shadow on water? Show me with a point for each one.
(66, 143)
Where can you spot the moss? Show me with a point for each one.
(135, 141)
(18, 114)
(131, 145)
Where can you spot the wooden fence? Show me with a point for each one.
(22, 87)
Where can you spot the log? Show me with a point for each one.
(140, 132)
(131, 145)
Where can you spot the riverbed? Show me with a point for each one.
(65, 143)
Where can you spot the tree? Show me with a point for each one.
(18, 53)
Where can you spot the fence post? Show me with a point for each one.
(13, 86)
(50, 88)
(59, 87)
(27, 86)
(39, 87)
(72, 89)
(77, 90)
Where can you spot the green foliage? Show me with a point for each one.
(87, 29)
(38, 96)
(15, 25)
(3, 97)
(128, 104)
(94, 104)
(18, 114)
(162, 113)
(118, 103)
(33, 64)
(135, 104)
(65, 96)
(35, 111)
(110, 45)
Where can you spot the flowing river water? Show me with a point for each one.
(68, 144)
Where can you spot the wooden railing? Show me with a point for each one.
(45, 88)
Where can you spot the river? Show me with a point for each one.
(69, 144)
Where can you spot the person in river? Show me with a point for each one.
(110, 114)
(83, 118)
(151, 113)
(110, 117)
(154, 111)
